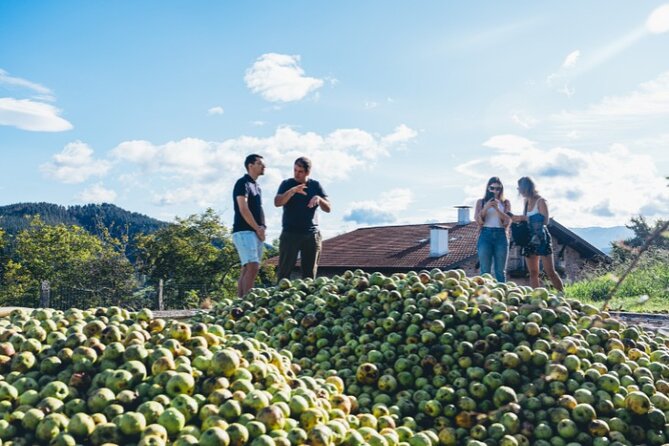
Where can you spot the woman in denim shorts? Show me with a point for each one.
(540, 247)
(491, 215)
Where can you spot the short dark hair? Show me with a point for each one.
(304, 163)
(251, 159)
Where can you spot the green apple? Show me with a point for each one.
(151, 410)
(131, 423)
(185, 404)
(225, 362)
(106, 433)
(118, 380)
(100, 399)
(180, 383)
(23, 362)
(214, 436)
(81, 425)
(55, 389)
(172, 420)
(8, 392)
(31, 419)
(272, 417)
(48, 428)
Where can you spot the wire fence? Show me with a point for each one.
(160, 296)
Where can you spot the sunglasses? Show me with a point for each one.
(493, 188)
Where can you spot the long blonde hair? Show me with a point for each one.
(527, 188)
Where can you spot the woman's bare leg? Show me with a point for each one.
(533, 268)
(549, 268)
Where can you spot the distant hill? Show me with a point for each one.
(602, 237)
(91, 217)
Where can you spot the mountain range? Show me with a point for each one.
(602, 238)
(92, 217)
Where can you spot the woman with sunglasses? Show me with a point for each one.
(491, 215)
(540, 246)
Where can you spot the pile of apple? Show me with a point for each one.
(109, 377)
(475, 361)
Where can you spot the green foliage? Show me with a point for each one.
(70, 258)
(646, 288)
(625, 251)
(94, 218)
(195, 258)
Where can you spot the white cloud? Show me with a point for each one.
(369, 105)
(571, 59)
(559, 81)
(75, 164)
(599, 188)
(382, 210)
(509, 143)
(218, 110)
(649, 100)
(401, 134)
(6, 79)
(658, 20)
(97, 193)
(279, 78)
(34, 116)
(567, 91)
(135, 151)
(525, 121)
(202, 171)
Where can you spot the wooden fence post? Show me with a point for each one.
(45, 294)
(161, 305)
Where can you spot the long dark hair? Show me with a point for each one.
(487, 196)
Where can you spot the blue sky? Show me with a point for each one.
(405, 109)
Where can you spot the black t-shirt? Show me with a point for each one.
(247, 187)
(297, 217)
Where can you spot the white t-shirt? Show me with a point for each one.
(491, 217)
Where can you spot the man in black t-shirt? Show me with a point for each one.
(248, 229)
(300, 197)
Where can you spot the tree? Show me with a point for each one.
(194, 253)
(68, 257)
(623, 252)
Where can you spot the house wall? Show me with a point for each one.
(568, 262)
(470, 267)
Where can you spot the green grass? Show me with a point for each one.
(646, 289)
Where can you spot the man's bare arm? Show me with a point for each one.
(282, 199)
(325, 205)
(243, 204)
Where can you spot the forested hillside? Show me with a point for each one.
(91, 217)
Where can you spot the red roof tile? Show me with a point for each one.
(402, 247)
(407, 247)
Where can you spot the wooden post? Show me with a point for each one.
(45, 294)
(161, 305)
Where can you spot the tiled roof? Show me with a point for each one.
(399, 247)
(408, 247)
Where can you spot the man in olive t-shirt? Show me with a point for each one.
(300, 197)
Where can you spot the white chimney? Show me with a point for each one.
(438, 241)
(463, 214)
